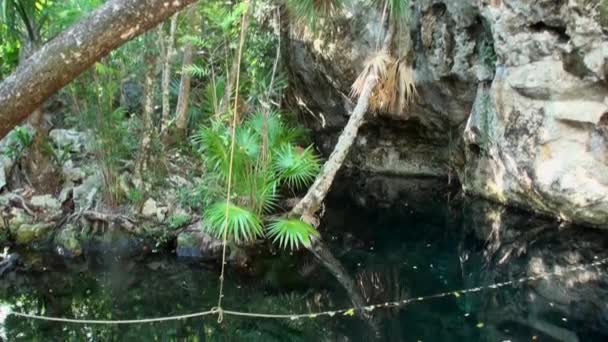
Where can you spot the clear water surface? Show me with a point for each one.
(411, 245)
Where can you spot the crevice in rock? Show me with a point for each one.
(574, 63)
(603, 122)
(559, 31)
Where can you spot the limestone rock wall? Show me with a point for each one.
(512, 98)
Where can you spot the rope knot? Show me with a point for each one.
(220, 313)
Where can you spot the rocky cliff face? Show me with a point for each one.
(512, 98)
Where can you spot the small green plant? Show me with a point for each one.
(266, 158)
(19, 140)
(487, 53)
(178, 220)
(135, 196)
(487, 134)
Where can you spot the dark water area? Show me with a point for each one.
(397, 239)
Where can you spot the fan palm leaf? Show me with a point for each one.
(291, 233)
(242, 225)
(296, 166)
(309, 11)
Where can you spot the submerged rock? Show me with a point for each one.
(193, 242)
(9, 263)
(511, 246)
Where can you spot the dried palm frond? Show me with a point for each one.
(375, 67)
(399, 88)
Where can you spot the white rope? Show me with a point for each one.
(114, 322)
(342, 312)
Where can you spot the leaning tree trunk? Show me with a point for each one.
(72, 52)
(311, 203)
(168, 51)
(232, 73)
(181, 111)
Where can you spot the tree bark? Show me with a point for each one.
(232, 73)
(150, 60)
(72, 52)
(168, 52)
(181, 111)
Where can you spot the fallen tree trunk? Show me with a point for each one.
(72, 52)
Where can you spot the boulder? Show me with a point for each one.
(6, 165)
(85, 195)
(72, 173)
(47, 203)
(71, 140)
(149, 208)
(27, 233)
(67, 241)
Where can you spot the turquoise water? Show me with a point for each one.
(409, 246)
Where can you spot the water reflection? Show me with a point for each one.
(415, 241)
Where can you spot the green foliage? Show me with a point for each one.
(265, 159)
(291, 233)
(19, 139)
(487, 53)
(242, 224)
(399, 10)
(295, 166)
(135, 196)
(310, 11)
(196, 70)
(488, 124)
(24, 17)
(178, 220)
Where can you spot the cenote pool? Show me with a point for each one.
(395, 240)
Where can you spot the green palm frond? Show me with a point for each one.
(260, 189)
(277, 131)
(199, 42)
(242, 224)
(212, 97)
(291, 233)
(196, 70)
(212, 145)
(248, 141)
(296, 166)
(310, 11)
(399, 9)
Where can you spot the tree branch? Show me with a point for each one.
(71, 53)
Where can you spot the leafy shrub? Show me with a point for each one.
(266, 158)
